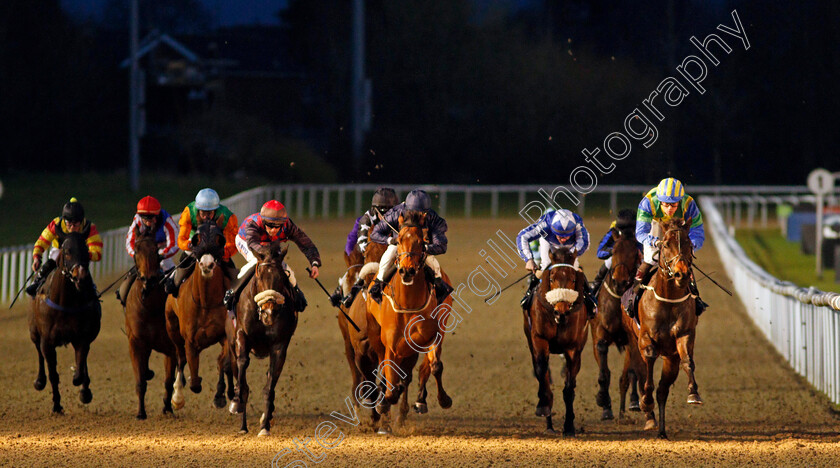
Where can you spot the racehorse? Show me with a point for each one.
(668, 320)
(606, 326)
(409, 321)
(264, 323)
(556, 323)
(145, 323)
(66, 311)
(196, 319)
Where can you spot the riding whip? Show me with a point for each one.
(112, 284)
(339, 307)
(507, 287)
(713, 281)
(21, 289)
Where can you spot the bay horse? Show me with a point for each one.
(668, 321)
(408, 322)
(66, 310)
(607, 327)
(145, 322)
(196, 319)
(264, 323)
(556, 324)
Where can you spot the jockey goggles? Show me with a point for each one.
(276, 223)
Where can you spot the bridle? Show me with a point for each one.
(666, 265)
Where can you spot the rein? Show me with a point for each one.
(610, 291)
(410, 311)
(665, 299)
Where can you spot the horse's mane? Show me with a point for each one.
(411, 217)
(673, 223)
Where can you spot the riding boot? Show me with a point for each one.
(122, 291)
(230, 270)
(173, 281)
(442, 289)
(337, 297)
(589, 301)
(599, 279)
(700, 304)
(354, 290)
(640, 278)
(40, 277)
(236, 288)
(529, 293)
(376, 290)
(300, 300)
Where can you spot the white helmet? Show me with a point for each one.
(207, 200)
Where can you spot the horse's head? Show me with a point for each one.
(74, 259)
(272, 286)
(208, 247)
(625, 260)
(411, 251)
(146, 258)
(560, 283)
(675, 251)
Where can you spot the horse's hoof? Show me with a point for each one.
(569, 432)
(543, 411)
(40, 383)
(77, 380)
(150, 374)
(219, 402)
(663, 436)
(650, 425)
(264, 433)
(550, 431)
(420, 408)
(602, 399)
(634, 406)
(58, 411)
(168, 411)
(196, 388)
(140, 417)
(178, 403)
(694, 399)
(383, 408)
(384, 431)
(85, 395)
(243, 431)
(445, 401)
(607, 414)
(234, 407)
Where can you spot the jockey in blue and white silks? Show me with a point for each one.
(555, 229)
(625, 223)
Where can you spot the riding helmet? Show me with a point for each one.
(73, 211)
(207, 200)
(625, 219)
(384, 198)
(563, 223)
(148, 205)
(418, 200)
(670, 190)
(273, 211)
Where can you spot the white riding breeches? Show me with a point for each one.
(608, 262)
(545, 254)
(243, 249)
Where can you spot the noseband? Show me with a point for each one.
(666, 265)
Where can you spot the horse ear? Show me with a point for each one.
(615, 235)
(196, 240)
(220, 239)
(61, 236)
(400, 221)
(283, 251)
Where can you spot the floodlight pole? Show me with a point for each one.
(357, 97)
(134, 104)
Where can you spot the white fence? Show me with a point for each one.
(343, 200)
(803, 324)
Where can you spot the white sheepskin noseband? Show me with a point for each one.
(269, 295)
(561, 294)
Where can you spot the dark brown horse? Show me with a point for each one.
(196, 319)
(607, 327)
(66, 311)
(556, 324)
(407, 323)
(668, 320)
(145, 322)
(264, 324)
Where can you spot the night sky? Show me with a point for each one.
(229, 12)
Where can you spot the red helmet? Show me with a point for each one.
(148, 205)
(273, 211)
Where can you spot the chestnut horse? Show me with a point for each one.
(196, 319)
(145, 322)
(668, 320)
(556, 323)
(408, 322)
(264, 324)
(607, 327)
(66, 311)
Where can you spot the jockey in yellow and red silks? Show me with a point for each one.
(665, 202)
(72, 219)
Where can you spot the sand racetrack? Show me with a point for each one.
(757, 411)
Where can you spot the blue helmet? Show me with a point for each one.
(418, 200)
(563, 223)
(207, 200)
(670, 190)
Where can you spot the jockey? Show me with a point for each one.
(555, 229)
(150, 217)
(383, 200)
(72, 219)
(662, 203)
(383, 233)
(207, 207)
(270, 224)
(624, 223)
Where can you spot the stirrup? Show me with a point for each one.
(32, 289)
(170, 288)
(229, 299)
(300, 300)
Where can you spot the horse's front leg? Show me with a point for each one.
(243, 359)
(572, 369)
(275, 367)
(685, 347)
(444, 400)
(41, 378)
(169, 366)
(49, 354)
(542, 372)
(670, 370)
(423, 374)
(649, 355)
(602, 398)
(223, 361)
(140, 363)
(81, 376)
(193, 351)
